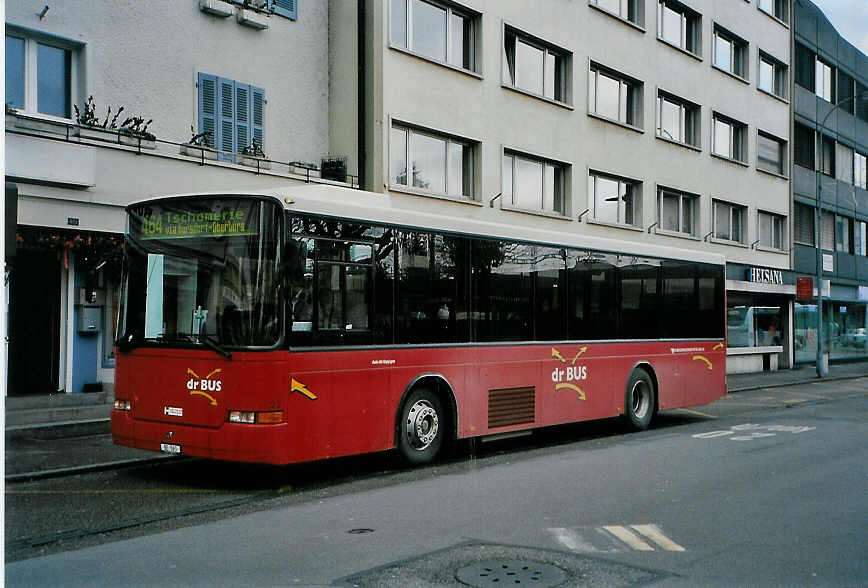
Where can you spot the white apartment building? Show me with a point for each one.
(656, 121)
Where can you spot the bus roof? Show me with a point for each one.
(352, 204)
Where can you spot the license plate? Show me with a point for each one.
(170, 448)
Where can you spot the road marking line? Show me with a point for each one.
(697, 412)
(572, 540)
(810, 395)
(654, 533)
(628, 537)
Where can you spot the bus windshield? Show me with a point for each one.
(203, 270)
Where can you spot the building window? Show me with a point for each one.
(233, 112)
(729, 221)
(438, 164)
(859, 170)
(844, 163)
(615, 199)
(435, 30)
(775, 8)
(615, 96)
(772, 76)
(629, 10)
(846, 92)
(803, 139)
(823, 81)
(678, 120)
(729, 138)
(679, 26)
(770, 153)
(730, 52)
(804, 63)
(827, 231)
(534, 184)
(40, 74)
(535, 66)
(843, 234)
(861, 234)
(826, 154)
(678, 211)
(803, 224)
(771, 230)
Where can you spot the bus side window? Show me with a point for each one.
(300, 270)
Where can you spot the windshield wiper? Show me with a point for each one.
(211, 344)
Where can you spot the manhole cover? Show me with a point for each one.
(510, 572)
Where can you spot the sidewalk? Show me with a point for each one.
(69, 433)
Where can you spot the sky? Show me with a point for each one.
(850, 18)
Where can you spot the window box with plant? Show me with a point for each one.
(199, 145)
(132, 131)
(253, 156)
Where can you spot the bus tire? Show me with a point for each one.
(421, 427)
(639, 402)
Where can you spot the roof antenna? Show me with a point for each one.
(44, 10)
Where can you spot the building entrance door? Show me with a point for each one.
(34, 323)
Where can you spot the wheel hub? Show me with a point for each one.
(422, 425)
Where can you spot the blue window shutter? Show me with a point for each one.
(226, 118)
(208, 107)
(257, 114)
(242, 116)
(287, 8)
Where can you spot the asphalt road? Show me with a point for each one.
(761, 488)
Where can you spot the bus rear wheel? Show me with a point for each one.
(640, 400)
(421, 427)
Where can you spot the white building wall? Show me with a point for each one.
(145, 56)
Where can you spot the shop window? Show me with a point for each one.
(752, 321)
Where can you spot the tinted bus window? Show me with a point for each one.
(680, 317)
(502, 308)
(384, 288)
(549, 294)
(593, 287)
(711, 301)
(432, 292)
(639, 301)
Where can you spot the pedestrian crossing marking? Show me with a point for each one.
(643, 537)
(628, 537)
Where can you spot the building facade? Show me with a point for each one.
(830, 201)
(658, 122)
(242, 73)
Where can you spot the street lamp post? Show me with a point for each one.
(822, 365)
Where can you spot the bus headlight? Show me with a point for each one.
(259, 418)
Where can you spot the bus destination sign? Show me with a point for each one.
(184, 225)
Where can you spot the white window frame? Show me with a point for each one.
(821, 88)
(860, 169)
(778, 9)
(686, 109)
(449, 139)
(737, 53)
(778, 228)
(627, 109)
(562, 61)
(733, 209)
(450, 9)
(623, 12)
(32, 40)
(737, 138)
(689, 18)
(782, 151)
(780, 80)
(558, 169)
(635, 199)
(684, 198)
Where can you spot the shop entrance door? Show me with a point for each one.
(34, 323)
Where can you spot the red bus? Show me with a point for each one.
(318, 321)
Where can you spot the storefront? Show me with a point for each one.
(845, 325)
(759, 304)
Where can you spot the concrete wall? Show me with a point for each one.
(421, 92)
(146, 56)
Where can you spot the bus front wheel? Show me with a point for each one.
(421, 427)
(639, 402)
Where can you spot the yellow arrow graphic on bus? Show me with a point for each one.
(572, 387)
(718, 346)
(192, 373)
(557, 355)
(206, 395)
(301, 388)
(705, 359)
(581, 351)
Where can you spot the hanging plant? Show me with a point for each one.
(93, 251)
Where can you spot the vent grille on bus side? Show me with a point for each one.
(510, 406)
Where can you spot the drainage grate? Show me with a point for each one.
(511, 572)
